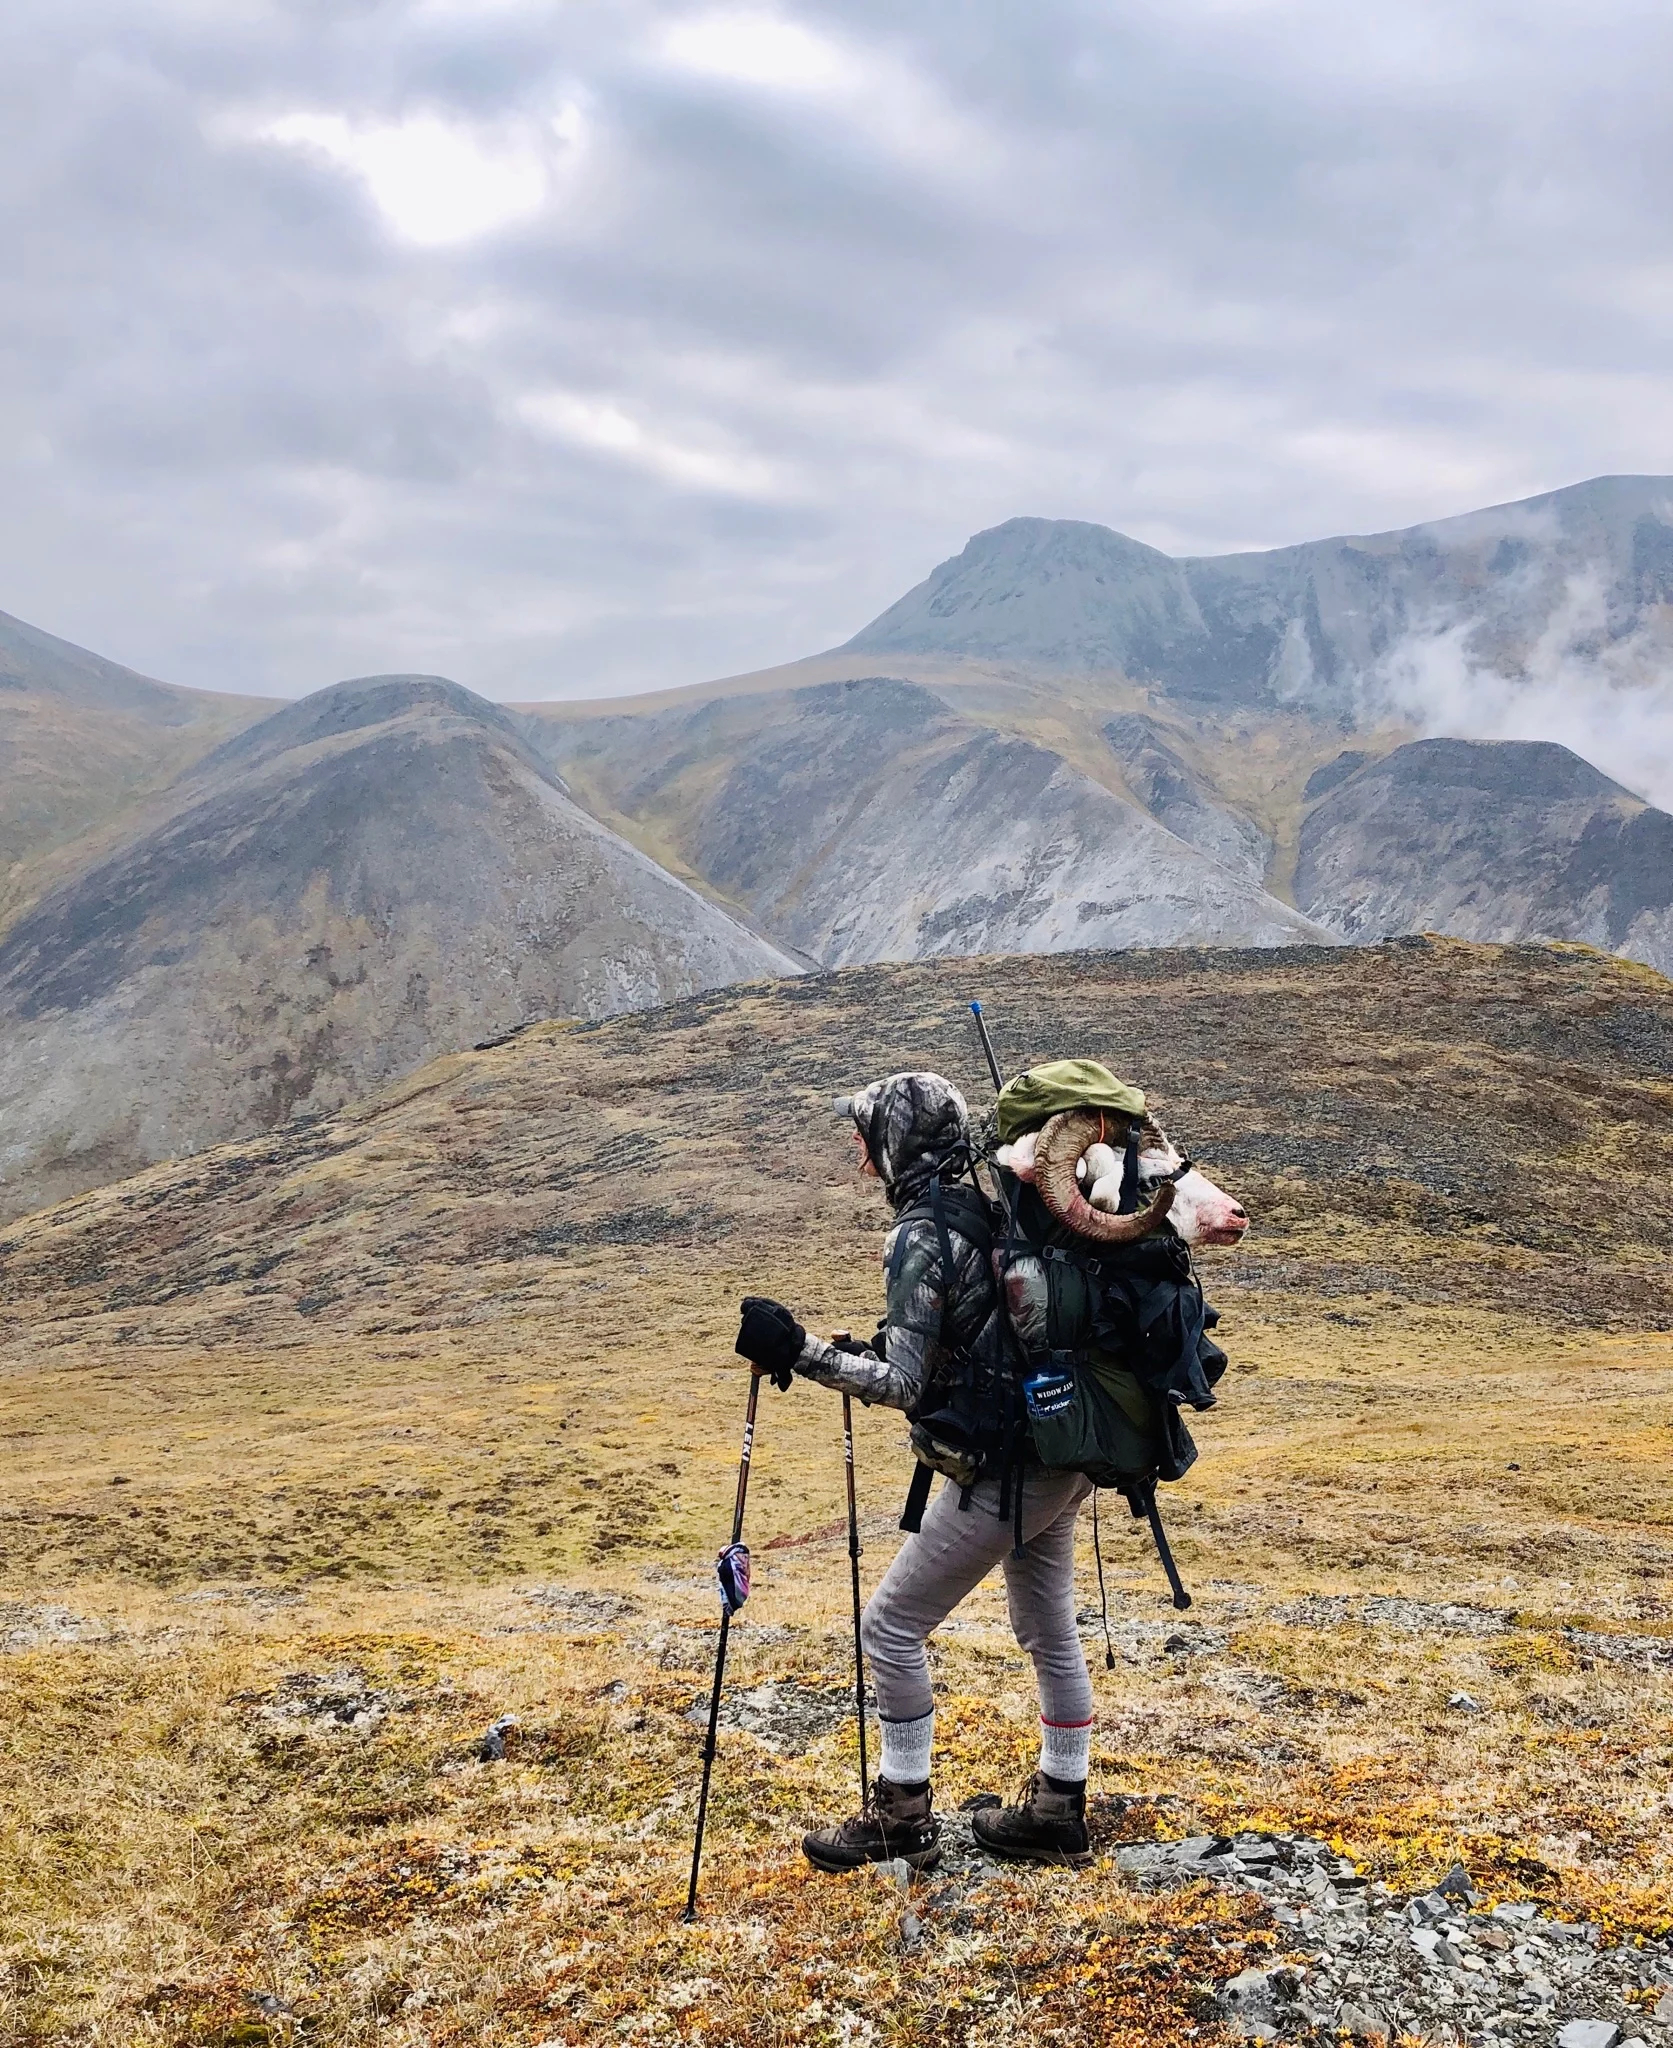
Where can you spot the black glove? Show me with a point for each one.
(770, 1337)
(856, 1348)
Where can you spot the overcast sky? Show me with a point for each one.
(569, 347)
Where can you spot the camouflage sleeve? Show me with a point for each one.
(912, 1331)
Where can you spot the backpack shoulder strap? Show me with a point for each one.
(1129, 1201)
(917, 1494)
(949, 1267)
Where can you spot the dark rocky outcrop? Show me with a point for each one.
(1500, 840)
(1326, 778)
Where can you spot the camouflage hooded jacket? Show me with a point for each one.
(916, 1126)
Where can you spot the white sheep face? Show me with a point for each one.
(1201, 1214)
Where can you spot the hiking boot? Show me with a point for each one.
(896, 1822)
(1048, 1827)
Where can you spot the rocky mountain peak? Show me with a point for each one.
(1577, 579)
(1491, 840)
(1526, 771)
(1048, 590)
(357, 706)
(373, 875)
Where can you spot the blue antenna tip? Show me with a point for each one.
(976, 1009)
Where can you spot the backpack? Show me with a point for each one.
(1126, 1347)
(1124, 1344)
(1127, 1344)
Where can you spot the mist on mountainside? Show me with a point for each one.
(1549, 619)
(1611, 701)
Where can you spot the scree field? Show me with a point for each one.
(326, 1451)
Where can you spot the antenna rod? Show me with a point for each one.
(987, 1046)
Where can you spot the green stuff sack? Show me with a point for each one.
(1046, 1090)
(1108, 1430)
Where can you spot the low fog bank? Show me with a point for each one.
(1609, 699)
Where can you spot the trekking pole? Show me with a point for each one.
(1145, 1504)
(854, 1574)
(987, 1046)
(732, 1574)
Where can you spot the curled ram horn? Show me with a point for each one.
(1018, 1158)
(1062, 1143)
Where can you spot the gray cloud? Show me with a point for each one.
(648, 342)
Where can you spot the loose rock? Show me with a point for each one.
(1588, 2034)
(35, 1628)
(788, 1717)
(333, 1703)
(1432, 1965)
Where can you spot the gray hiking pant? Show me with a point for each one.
(949, 1557)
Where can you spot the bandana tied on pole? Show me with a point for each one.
(732, 1577)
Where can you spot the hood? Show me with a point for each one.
(914, 1126)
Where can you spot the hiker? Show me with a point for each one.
(913, 1135)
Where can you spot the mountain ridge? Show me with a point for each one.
(1490, 841)
(298, 901)
(1308, 623)
(389, 874)
(84, 742)
(868, 820)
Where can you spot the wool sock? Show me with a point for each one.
(1064, 1749)
(906, 1750)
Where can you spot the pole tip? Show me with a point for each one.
(1182, 1601)
(975, 1009)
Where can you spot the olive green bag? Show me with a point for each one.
(1107, 1429)
(1056, 1085)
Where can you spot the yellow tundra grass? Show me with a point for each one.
(327, 1451)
